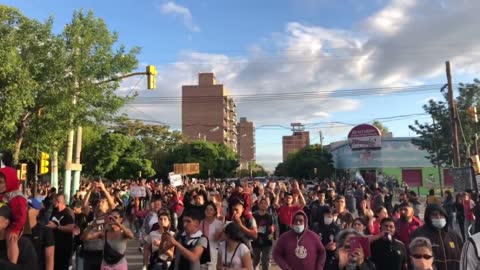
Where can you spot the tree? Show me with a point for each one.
(383, 129)
(436, 138)
(117, 156)
(302, 164)
(256, 170)
(158, 140)
(31, 81)
(218, 158)
(42, 74)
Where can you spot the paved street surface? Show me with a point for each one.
(134, 257)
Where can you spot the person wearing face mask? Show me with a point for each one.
(299, 248)
(447, 244)
(328, 229)
(388, 252)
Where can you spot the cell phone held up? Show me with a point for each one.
(357, 242)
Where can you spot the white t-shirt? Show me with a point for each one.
(212, 229)
(155, 235)
(152, 221)
(233, 259)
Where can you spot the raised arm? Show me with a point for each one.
(111, 201)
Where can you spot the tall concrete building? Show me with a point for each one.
(246, 142)
(208, 113)
(298, 140)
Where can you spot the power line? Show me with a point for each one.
(308, 126)
(288, 96)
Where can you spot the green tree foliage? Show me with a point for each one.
(302, 164)
(218, 158)
(256, 169)
(158, 140)
(436, 138)
(42, 73)
(117, 156)
(383, 129)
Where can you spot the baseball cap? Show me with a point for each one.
(5, 211)
(35, 203)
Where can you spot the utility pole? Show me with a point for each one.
(453, 117)
(67, 178)
(321, 138)
(78, 151)
(54, 173)
(439, 167)
(475, 155)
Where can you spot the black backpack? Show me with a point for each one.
(205, 258)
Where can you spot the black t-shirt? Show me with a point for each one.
(389, 255)
(27, 259)
(63, 240)
(42, 237)
(81, 220)
(264, 229)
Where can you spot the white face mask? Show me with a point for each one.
(327, 220)
(298, 228)
(439, 223)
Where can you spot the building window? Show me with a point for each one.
(412, 177)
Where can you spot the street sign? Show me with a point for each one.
(365, 137)
(186, 168)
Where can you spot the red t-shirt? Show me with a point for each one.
(285, 213)
(467, 206)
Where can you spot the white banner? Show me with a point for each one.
(138, 191)
(175, 179)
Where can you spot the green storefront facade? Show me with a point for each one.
(397, 158)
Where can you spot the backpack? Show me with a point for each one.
(204, 258)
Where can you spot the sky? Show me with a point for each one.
(358, 60)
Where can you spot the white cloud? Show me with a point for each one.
(392, 18)
(172, 8)
(323, 114)
(405, 43)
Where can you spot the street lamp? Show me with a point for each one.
(205, 134)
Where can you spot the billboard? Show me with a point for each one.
(186, 168)
(365, 137)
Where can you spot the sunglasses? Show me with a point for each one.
(420, 256)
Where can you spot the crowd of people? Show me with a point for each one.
(244, 224)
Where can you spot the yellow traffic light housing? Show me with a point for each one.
(22, 175)
(44, 163)
(151, 77)
(472, 112)
(475, 164)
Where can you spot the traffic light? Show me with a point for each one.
(151, 77)
(472, 112)
(44, 163)
(475, 164)
(22, 173)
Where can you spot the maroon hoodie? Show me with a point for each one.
(302, 251)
